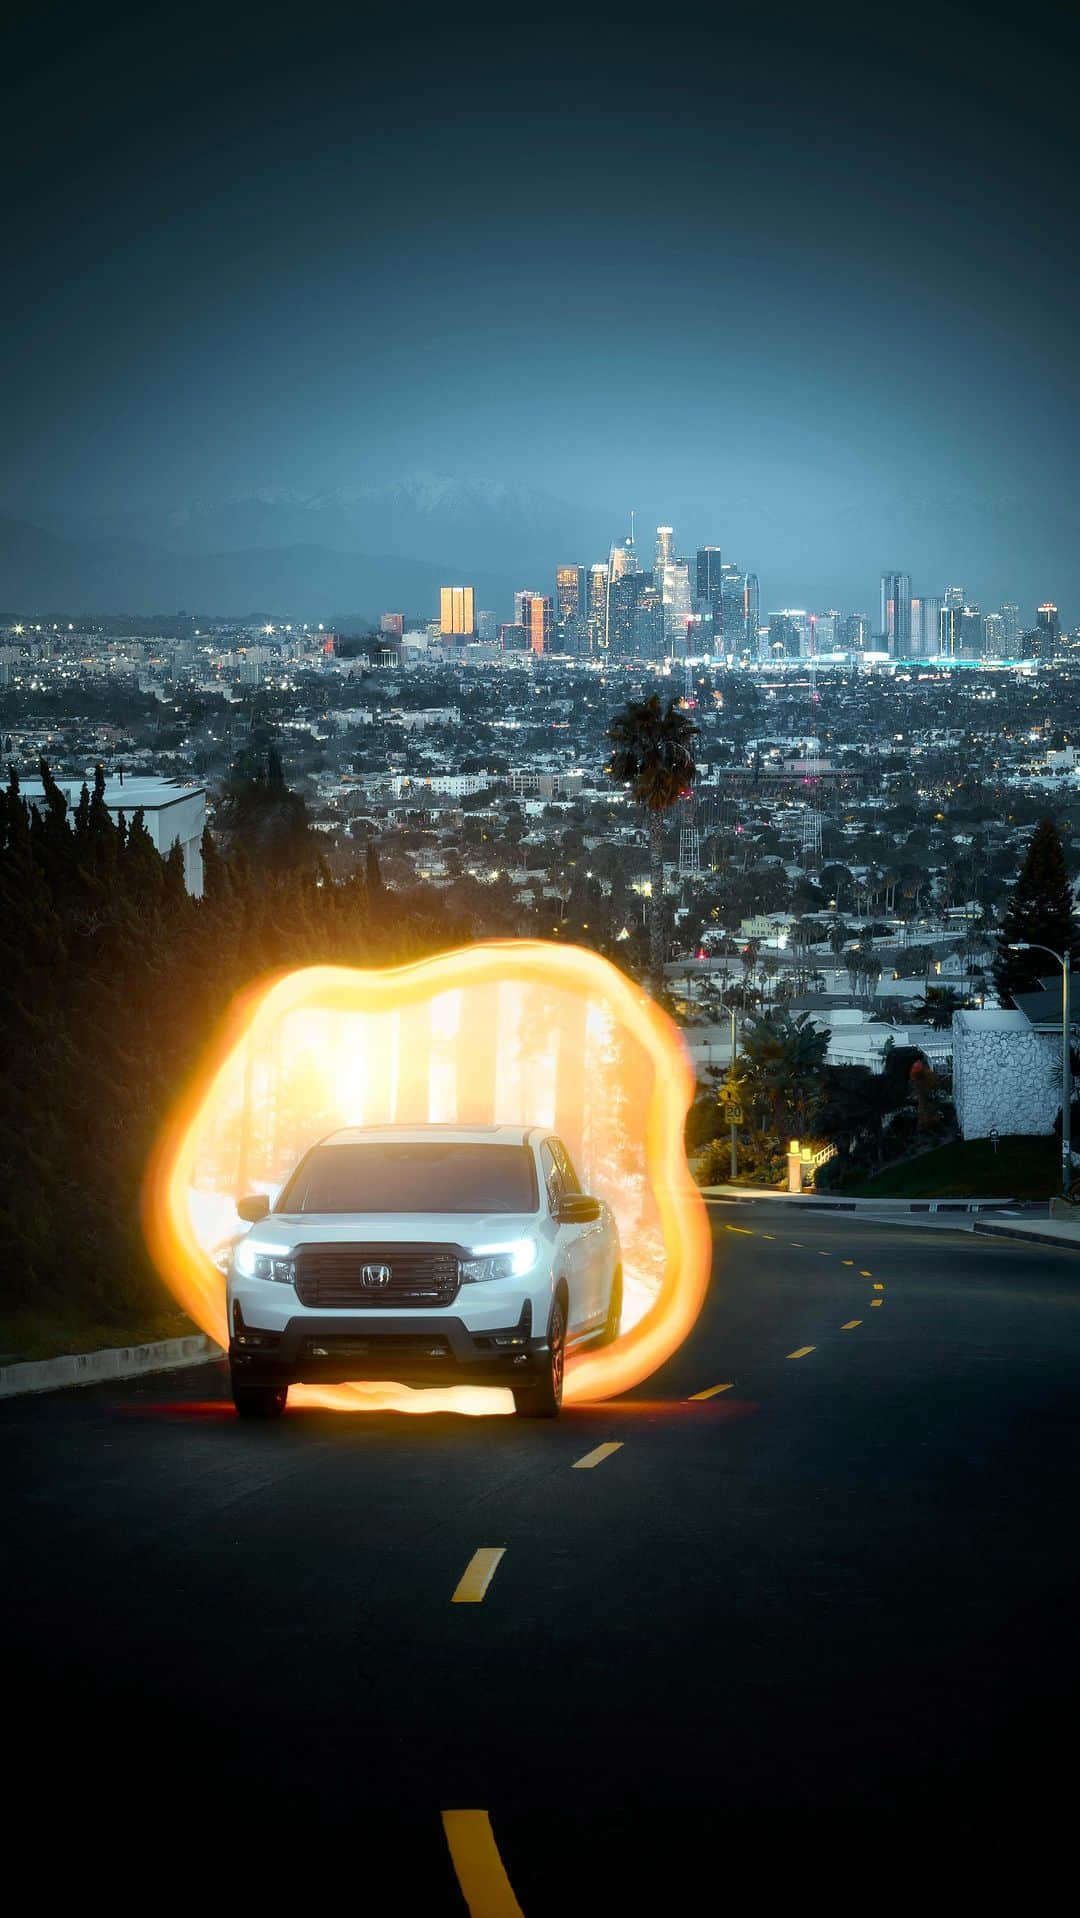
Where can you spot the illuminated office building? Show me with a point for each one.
(569, 593)
(854, 633)
(457, 614)
(678, 605)
(1010, 615)
(971, 632)
(709, 596)
(1046, 621)
(596, 608)
(534, 611)
(625, 597)
(929, 632)
(896, 613)
(648, 637)
(994, 643)
(786, 632)
(955, 597)
(733, 625)
(751, 611)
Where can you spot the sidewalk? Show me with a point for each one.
(999, 1223)
(825, 1202)
(1038, 1231)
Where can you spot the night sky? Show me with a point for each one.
(782, 276)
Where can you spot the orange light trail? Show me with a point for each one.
(509, 1032)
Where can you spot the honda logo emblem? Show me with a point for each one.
(376, 1275)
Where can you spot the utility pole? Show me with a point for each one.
(734, 1127)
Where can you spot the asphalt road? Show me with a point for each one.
(816, 1625)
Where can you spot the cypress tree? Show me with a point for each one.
(215, 871)
(175, 890)
(1040, 912)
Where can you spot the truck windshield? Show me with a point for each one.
(434, 1177)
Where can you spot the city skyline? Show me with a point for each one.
(729, 285)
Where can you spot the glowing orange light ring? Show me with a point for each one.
(198, 1284)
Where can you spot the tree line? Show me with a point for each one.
(112, 980)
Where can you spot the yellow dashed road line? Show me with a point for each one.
(711, 1393)
(878, 1287)
(877, 1301)
(865, 1275)
(477, 1576)
(743, 1230)
(485, 1887)
(801, 1351)
(850, 1326)
(598, 1456)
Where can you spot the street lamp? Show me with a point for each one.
(1064, 960)
(731, 1072)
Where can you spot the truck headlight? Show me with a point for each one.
(255, 1261)
(510, 1260)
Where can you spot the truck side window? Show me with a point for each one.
(553, 1177)
(571, 1182)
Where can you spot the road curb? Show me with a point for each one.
(1032, 1238)
(750, 1195)
(96, 1368)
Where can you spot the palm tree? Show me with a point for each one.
(652, 754)
(783, 1059)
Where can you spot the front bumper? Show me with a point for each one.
(407, 1348)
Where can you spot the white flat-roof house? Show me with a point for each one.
(171, 812)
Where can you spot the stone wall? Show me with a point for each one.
(1006, 1076)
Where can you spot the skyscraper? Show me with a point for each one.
(994, 646)
(1046, 621)
(709, 596)
(626, 634)
(896, 613)
(677, 603)
(457, 611)
(665, 549)
(648, 635)
(1010, 616)
(972, 636)
(786, 634)
(954, 596)
(596, 608)
(536, 615)
(751, 612)
(733, 597)
(569, 593)
(927, 641)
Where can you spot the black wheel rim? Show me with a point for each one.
(557, 1357)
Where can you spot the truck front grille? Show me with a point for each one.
(339, 1276)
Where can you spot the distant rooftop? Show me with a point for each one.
(143, 790)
